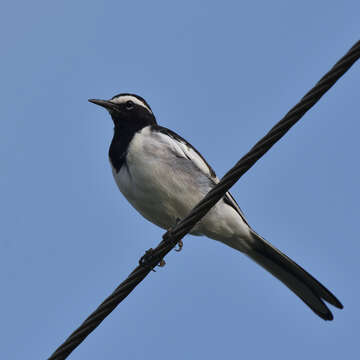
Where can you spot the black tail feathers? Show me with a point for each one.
(305, 286)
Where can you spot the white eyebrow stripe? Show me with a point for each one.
(124, 98)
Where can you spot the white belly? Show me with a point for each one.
(164, 188)
(155, 190)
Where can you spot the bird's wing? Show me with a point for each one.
(184, 149)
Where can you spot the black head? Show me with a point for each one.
(128, 111)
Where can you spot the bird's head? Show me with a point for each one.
(128, 110)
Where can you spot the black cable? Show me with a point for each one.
(170, 238)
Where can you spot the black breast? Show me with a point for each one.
(119, 147)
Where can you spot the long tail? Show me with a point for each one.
(306, 287)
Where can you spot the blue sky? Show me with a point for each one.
(220, 74)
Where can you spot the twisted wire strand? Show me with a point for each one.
(171, 237)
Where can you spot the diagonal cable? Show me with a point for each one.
(171, 237)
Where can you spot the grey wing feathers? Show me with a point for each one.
(184, 149)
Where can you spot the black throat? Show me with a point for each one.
(124, 132)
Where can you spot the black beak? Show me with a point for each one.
(104, 103)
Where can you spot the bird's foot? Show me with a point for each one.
(180, 246)
(180, 242)
(169, 238)
(162, 263)
(148, 258)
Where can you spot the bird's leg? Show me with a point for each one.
(148, 257)
(180, 242)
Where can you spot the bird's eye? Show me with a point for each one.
(129, 105)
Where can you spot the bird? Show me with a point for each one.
(163, 177)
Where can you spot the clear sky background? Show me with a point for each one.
(221, 74)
